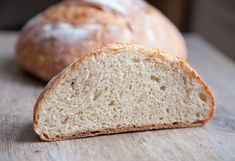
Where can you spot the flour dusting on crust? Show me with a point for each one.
(121, 6)
(67, 32)
(60, 31)
(113, 4)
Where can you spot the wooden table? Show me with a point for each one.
(215, 141)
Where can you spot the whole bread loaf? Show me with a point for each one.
(122, 88)
(68, 30)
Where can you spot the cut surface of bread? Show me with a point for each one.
(120, 88)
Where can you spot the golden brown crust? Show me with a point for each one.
(120, 129)
(114, 48)
(45, 55)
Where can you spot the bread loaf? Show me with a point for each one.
(68, 30)
(122, 88)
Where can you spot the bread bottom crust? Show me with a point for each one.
(122, 129)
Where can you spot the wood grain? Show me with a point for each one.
(216, 141)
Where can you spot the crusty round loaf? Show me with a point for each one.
(71, 29)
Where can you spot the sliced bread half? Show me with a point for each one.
(122, 88)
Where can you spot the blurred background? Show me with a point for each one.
(214, 20)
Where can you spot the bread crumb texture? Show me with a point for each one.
(119, 87)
